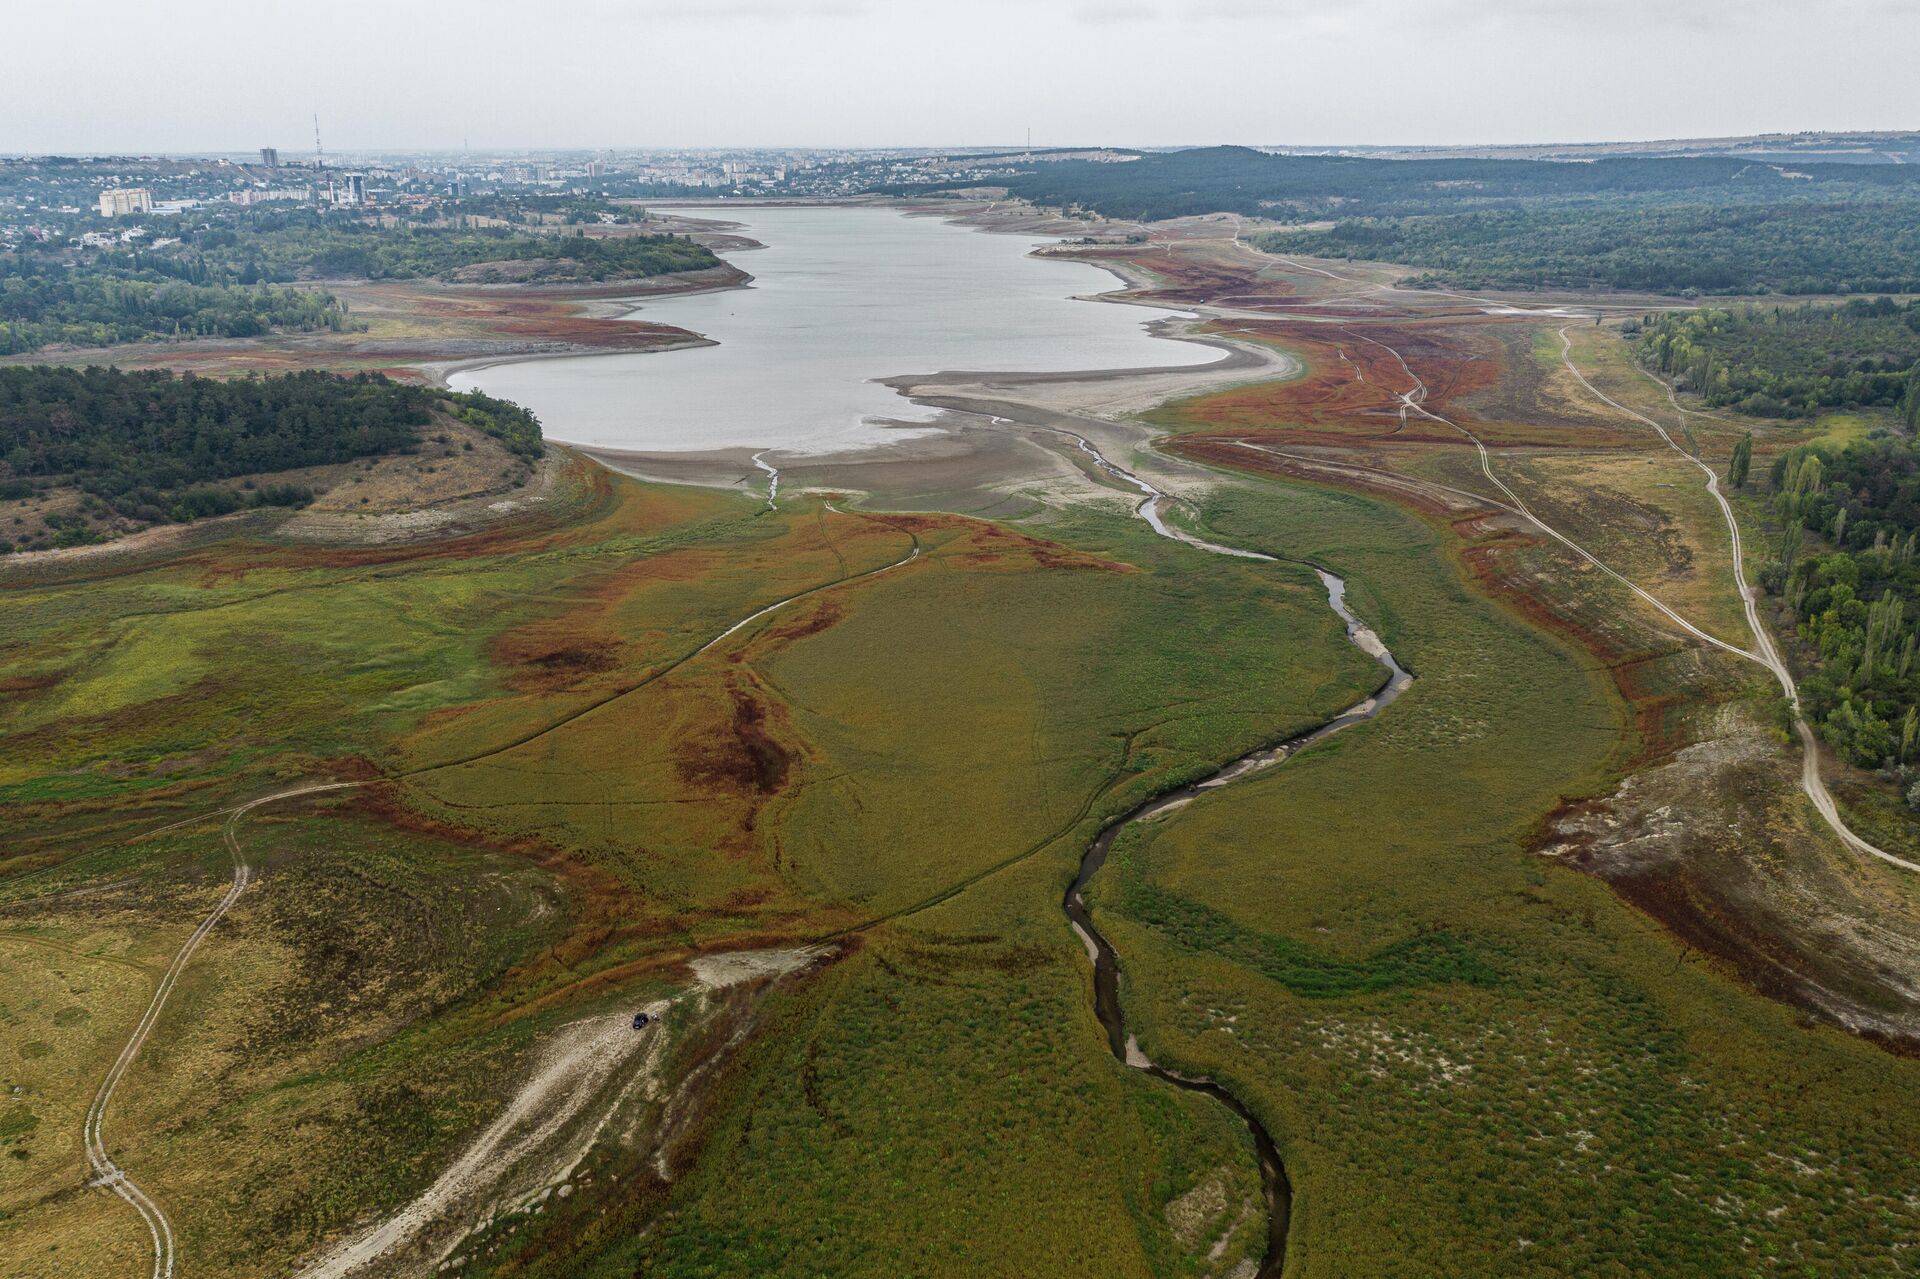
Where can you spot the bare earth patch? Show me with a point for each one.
(1755, 885)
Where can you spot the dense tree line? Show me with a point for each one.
(504, 420)
(1791, 361)
(1847, 573)
(1311, 187)
(47, 302)
(214, 281)
(150, 444)
(303, 244)
(1797, 246)
(1712, 225)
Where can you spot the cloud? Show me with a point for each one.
(1188, 12)
(1115, 11)
(892, 72)
(692, 12)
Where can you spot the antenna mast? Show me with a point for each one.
(319, 156)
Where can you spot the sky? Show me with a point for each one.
(232, 75)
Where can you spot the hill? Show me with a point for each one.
(87, 454)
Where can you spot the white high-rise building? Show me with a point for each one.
(118, 202)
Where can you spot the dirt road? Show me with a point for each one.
(547, 1127)
(1764, 652)
(107, 1173)
(583, 1060)
(1767, 655)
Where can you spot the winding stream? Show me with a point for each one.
(773, 479)
(1275, 1184)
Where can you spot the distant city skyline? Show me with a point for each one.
(201, 76)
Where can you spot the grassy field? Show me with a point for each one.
(941, 1098)
(1475, 1060)
(596, 747)
(565, 796)
(1478, 1063)
(940, 1102)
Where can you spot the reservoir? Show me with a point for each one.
(840, 296)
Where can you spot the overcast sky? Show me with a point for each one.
(188, 75)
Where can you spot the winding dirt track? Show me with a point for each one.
(1764, 653)
(1768, 656)
(1414, 400)
(107, 1173)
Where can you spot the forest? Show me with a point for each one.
(47, 302)
(1791, 361)
(1304, 187)
(1796, 246)
(149, 444)
(1856, 606)
(1708, 225)
(212, 282)
(1312, 187)
(303, 245)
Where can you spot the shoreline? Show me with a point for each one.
(963, 393)
(436, 372)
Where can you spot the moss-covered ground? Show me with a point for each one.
(564, 792)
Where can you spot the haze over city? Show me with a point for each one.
(212, 75)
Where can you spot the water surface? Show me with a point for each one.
(840, 296)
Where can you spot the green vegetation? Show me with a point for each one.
(47, 302)
(1741, 462)
(941, 1100)
(1798, 245)
(504, 420)
(307, 245)
(214, 279)
(1791, 361)
(1309, 187)
(759, 794)
(1708, 224)
(941, 1104)
(1430, 958)
(1855, 595)
(1573, 1097)
(150, 445)
(577, 779)
(1847, 505)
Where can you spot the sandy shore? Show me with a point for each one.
(966, 464)
(1001, 442)
(436, 372)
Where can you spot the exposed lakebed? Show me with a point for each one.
(841, 296)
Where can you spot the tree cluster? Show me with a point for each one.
(1311, 187)
(215, 280)
(153, 446)
(302, 244)
(1792, 361)
(43, 303)
(1710, 225)
(1797, 246)
(1847, 573)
